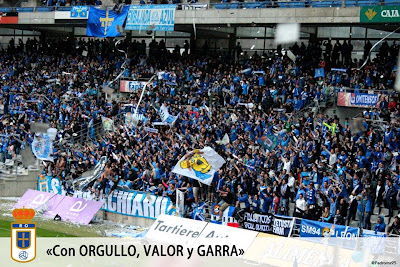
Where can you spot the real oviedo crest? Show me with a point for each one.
(23, 235)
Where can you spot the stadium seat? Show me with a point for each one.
(64, 8)
(252, 5)
(368, 3)
(321, 4)
(336, 3)
(6, 9)
(391, 2)
(291, 4)
(351, 3)
(45, 9)
(25, 9)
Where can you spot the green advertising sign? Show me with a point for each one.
(380, 14)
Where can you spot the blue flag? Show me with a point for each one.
(103, 23)
(319, 73)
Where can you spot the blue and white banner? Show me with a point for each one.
(134, 203)
(103, 23)
(310, 228)
(79, 12)
(227, 216)
(42, 145)
(200, 164)
(346, 99)
(320, 72)
(49, 184)
(151, 17)
(166, 118)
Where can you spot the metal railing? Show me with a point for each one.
(236, 5)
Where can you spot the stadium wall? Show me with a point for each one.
(17, 187)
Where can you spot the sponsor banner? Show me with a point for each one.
(76, 210)
(79, 12)
(277, 251)
(83, 182)
(385, 14)
(33, 199)
(49, 184)
(151, 17)
(103, 23)
(135, 203)
(200, 164)
(227, 216)
(214, 234)
(130, 86)
(8, 17)
(68, 208)
(258, 222)
(310, 228)
(282, 225)
(358, 100)
(175, 230)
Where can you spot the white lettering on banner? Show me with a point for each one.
(129, 202)
(148, 206)
(390, 13)
(111, 205)
(55, 186)
(79, 208)
(367, 99)
(310, 230)
(133, 203)
(120, 201)
(40, 200)
(137, 209)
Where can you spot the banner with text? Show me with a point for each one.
(258, 222)
(130, 86)
(380, 14)
(310, 228)
(358, 100)
(151, 17)
(134, 203)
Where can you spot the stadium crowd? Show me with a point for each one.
(332, 171)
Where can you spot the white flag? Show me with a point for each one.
(200, 165)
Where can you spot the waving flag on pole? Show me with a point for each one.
(200, 164)
(268, 141)
(103, 23)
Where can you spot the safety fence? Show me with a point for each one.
(236, 5)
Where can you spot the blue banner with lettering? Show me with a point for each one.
(79, 12)
(103, 23)
(151, 17)
(320, 229)
(133, 203)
